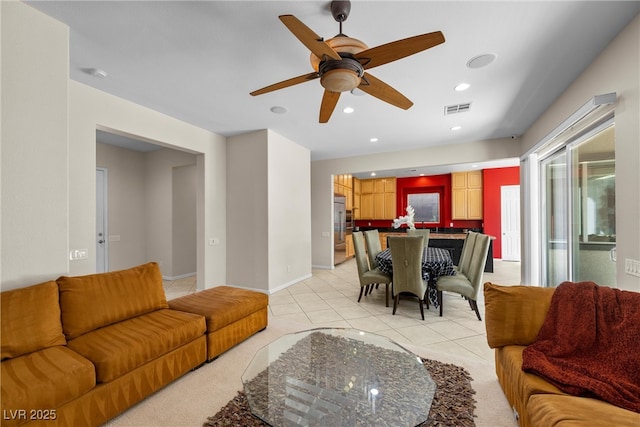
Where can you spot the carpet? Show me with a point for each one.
(453, 402)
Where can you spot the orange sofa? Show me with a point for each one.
(513, 318)
(80, 350)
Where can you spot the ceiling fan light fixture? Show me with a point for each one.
(340, 80)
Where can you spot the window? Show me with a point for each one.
(426, 206)
(427, 201)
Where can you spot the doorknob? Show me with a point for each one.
(100, 241)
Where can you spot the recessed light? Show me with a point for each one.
(373, 174)
(278, 109)
(373, 140)
(462, 86)
(95, 72)
(456, 128)
(348, 110)
(481, 60)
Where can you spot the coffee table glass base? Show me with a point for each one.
(337, 377)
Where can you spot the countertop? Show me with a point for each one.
(452, 236)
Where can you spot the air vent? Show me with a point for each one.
(459, 108)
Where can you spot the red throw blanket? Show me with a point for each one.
(589, 344)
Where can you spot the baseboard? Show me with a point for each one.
(182, 276)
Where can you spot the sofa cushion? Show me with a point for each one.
(30, 320)
(221, 305)
(119, 348)
(45, 379)
(514, 314)
(90, 302)
(571, 411)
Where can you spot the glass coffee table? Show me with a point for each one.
(338, 377)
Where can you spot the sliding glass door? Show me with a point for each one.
(578, 233)
(555, 259)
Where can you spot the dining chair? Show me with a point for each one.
(467, 250)
(420, 232)
(372, 239)
(368, 277)
(406, 258)
(467, 283)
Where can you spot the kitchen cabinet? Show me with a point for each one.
(356, 199)
(378, 198)
(349, 241)
(466, 195)
(343, 184)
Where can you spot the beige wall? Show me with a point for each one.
(150, 224)
(268, 211)
(125, 205)
(48, 188)
(617, 69)
(34, 153)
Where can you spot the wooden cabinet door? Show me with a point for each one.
(458, 180)
(474, 179)
(389, 206)
(366, 186)
(459, 204)
(366, 206)
(378, 205)
(349, 241)
(474, 203)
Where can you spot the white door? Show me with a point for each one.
(102, 258)
(510, 222)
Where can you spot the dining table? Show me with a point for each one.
(436, 262)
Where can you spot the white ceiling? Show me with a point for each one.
(198, 61)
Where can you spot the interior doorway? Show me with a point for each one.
(510, 222)
(145, 181)
(102, 197)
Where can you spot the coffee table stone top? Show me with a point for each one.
(337, 377)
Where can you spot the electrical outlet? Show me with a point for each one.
(77, 254)
(632, 267)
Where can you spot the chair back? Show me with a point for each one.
(420, 232)
(467, 251)
(478, 262)
(372, 239)
(406, 258)
(360, 254)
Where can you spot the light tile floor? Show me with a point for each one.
(330, 298)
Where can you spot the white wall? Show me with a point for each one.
(289, 212)
(322, 181)
(268, 211)
(34, 152)
(617, 69)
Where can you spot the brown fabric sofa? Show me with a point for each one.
(513, 317)
(81, 350)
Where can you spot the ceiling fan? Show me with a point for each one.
(340, 62)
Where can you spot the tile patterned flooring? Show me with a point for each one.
(330, 299)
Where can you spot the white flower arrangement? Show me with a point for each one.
(407, 219)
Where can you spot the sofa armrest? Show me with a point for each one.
(514, 314)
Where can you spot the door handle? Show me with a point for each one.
(100, 241)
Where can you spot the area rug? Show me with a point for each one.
(453, 402)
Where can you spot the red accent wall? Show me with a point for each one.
(493, 179)
(406, 186)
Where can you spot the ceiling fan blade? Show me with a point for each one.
(398, 49)
(376, 87)
(329, 101)
(308, 37)
(286, 83)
